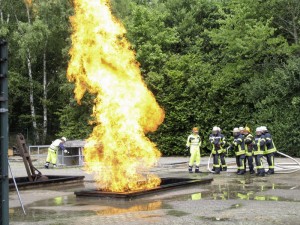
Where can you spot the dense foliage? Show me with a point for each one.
(208, 62)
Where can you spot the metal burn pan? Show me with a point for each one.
(23, 182)
(166, 184)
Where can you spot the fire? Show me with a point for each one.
(117, 152)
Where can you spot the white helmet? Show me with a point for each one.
(215, 128)
(259, 129)
(264, 128)
(64, 139)
(236, 130)
(241, 128)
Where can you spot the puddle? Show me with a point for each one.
(239, 189)
(74, 207)
(235, 206)
(212, 218)
(247, 188)
(177, 213)
(137, 208)
(36, 215)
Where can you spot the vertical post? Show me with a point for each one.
(4, 191)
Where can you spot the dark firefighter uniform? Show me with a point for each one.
(249, 141)
(269, 150)
(218, 141)
(238, 145)
(222, 155)
(258, 151)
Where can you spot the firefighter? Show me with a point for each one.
(193, 144)
(218, 141)
(52, 151)
(242, 130)
(222, 154)
(269, 150)
(238, 145)
(258, 151)
(249, 140)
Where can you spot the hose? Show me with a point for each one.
(284, 169)
(208, 168)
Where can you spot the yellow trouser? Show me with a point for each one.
(195, 156)
(51, 157)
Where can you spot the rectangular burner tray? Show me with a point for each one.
(166, 184)
(23, 182)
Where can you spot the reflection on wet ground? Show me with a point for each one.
(234, 188)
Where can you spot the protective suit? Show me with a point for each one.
(53, 150)
(249, 141)
(193, 144)
(258, 151)
(218, 142)
(238, 145)
(269, 150)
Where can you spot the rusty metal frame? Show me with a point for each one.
(33, 173)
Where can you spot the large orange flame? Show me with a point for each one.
(117, 151)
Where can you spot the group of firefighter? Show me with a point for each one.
(247, 149)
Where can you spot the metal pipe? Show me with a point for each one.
(16, 186)
(4, 213)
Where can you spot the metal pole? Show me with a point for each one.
(4, 191)
(16, 188)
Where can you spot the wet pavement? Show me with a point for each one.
(228, 199)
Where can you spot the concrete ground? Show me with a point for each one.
(228, 199)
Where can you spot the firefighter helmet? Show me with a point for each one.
(258, 130)
(64, 139)
(235, 130)
(247, 129)
(215, 128)
(264, 128)
(195, 129)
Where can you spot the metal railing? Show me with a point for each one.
(75, 158)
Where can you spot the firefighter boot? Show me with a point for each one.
(270, 171)
(241, 172)
(257, 172)
(217, 170)
(224, 168)
(46, 165)
(190, 169)
(261, 172)
(197, 170)
(237, 171)
(251, 170)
